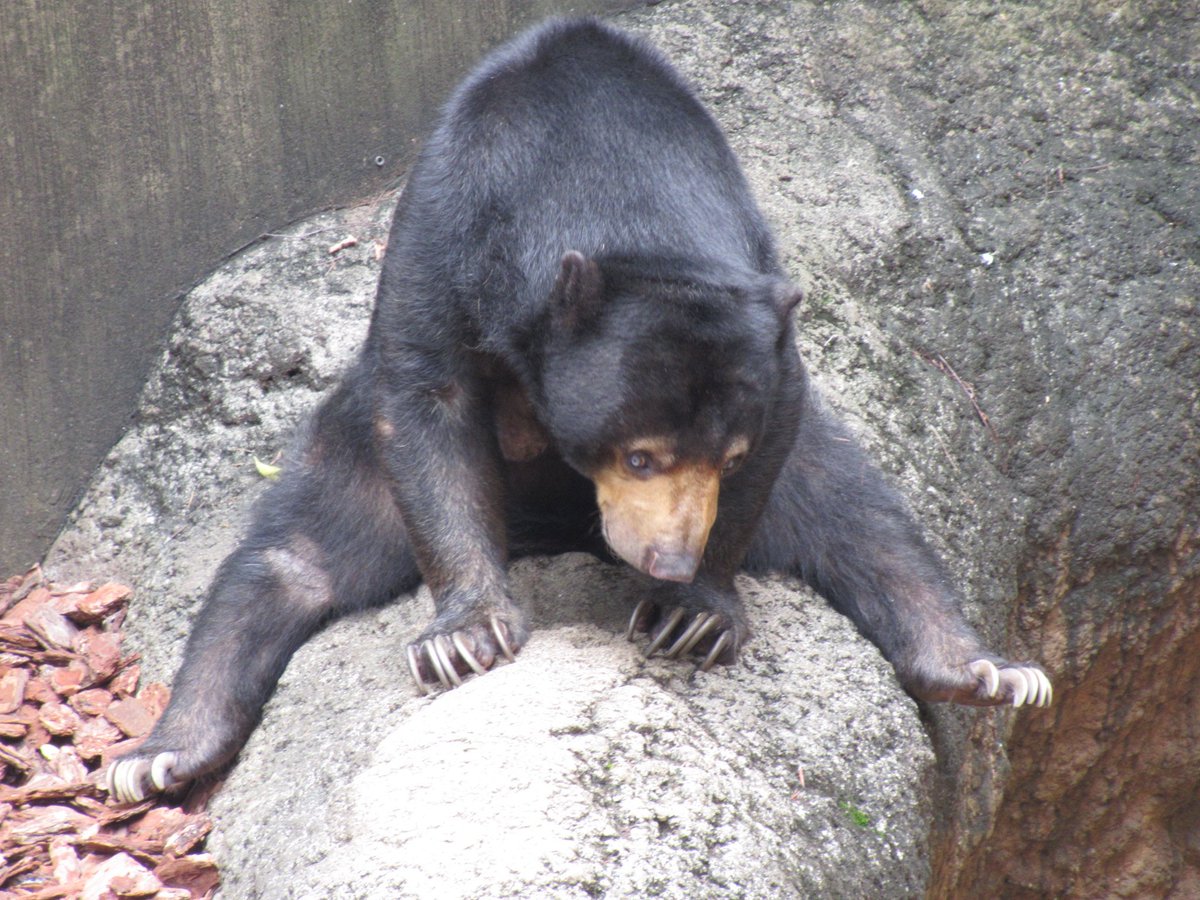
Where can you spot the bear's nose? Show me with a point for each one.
(670, 566)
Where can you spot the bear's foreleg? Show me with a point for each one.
(834, 521)
(446, 477)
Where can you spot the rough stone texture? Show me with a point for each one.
(995, 197)
(583, 770)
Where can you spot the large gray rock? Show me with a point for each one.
(994, 210)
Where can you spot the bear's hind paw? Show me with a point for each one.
(1019, 685)
(133, 778)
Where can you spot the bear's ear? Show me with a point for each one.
(786, 297)
(578, 292)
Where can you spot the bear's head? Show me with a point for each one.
(657, 382)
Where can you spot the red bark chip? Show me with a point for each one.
(125, 682)
(59, 719)
(36, 736)
(158, 824)
(102, 649)
(197, 872)
(131, 716)
(39, 822)
(51, 628)
(67, 704)
(155, 696)
(65, 860)
(35, 600)
(92, 702)
(123, 876)
(192, 833)
(38, 690)
(95, 736)
(69, 679)
(80, 588)
(65, 763)
(12, 688)
(101, 603)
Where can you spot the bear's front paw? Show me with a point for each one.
(679, 632)
(441, 658)
(132, 779)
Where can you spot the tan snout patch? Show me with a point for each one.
(659, 524)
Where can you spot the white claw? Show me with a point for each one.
(466, 654)
(125, 779)
(633, 620)
(160, 770)
(498, 631)
(986, 670)
(1047, 689)
(717, 649)
(120, 780)
(1020, 686)
(415, 669)
(1039, 692)
(432, 654)
(676, 617)
(441, 644)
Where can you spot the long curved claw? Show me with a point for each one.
(635, 619)
(701, 626)
(502, 639)
(1018, 684)
(1046, 690)
(126, 778)
(985, 670)
(434, 660)
(718, 648)
(452, 657)
(160, 770)
(461, 646)
(415, 669)
(665, 633)
(441, 646)
(131, 788)
(1037, 688)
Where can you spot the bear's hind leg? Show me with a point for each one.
(326, 540)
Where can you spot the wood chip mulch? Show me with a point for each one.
(70, 703)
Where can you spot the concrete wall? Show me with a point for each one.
(140, 144)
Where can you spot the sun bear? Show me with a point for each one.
(582, 340)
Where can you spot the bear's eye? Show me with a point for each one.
(732, 463)
(640, 462)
